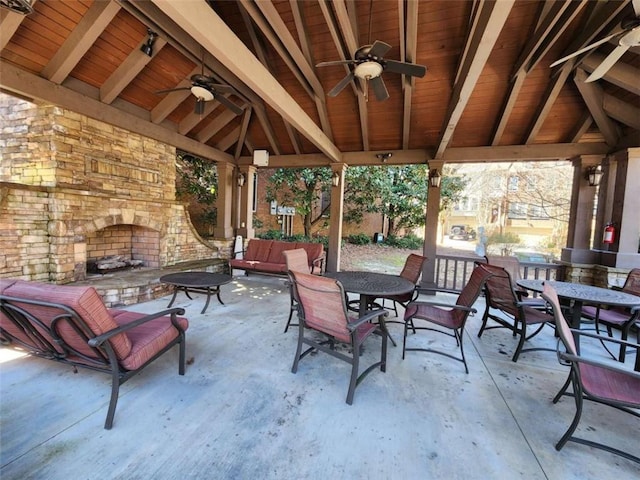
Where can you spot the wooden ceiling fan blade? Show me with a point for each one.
(404, 68)
(378, 49)
(379, 88)
(584, 49)
(607, 63)
(340, 86)
(335, 62)
(172, 90)
(229, 104)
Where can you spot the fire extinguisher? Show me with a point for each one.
(609, 234)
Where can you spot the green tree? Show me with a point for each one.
(398, 192)
(301, 188)
(197, 180)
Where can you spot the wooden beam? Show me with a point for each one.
(207, 28)
(127, 71)
(624, 112)
(491, 18)
(507, 107)
(229, 139)
(582, 127)
(215, 126)
(189, 122)
(548, 100)
(409, 45)
(80, 40)
(27, 84)
(621, 74)
(507, 153)
(593, 97)
(9, 23)
(169, 103)
(243, 132)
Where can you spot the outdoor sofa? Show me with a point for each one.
(265, 256)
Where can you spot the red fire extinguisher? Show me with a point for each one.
(609, 234)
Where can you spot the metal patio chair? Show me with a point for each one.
(323, 310)
(605, 383)
(297, 261)
(446, 316)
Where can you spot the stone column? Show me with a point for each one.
(583, 196)
(337, 210)
(245, 227)
(224, 201)
(431, 229)
(625, 211)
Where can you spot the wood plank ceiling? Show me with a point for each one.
(489, 93)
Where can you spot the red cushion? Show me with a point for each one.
(314, 250)
(277, 247)
(84, 300)
(258, 250)
(148, 338)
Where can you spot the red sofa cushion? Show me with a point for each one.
(314, 250)
(277, 247)
(258, 250)
(84, 300)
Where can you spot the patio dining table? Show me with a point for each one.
(371, 285)
(581, 294)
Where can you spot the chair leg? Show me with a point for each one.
(562, 390)
(458, 336)
(289, 319)
(115, 388)
(183, 355)
(294, 368)
(485, 319)
(576, 419)
(355, 363)
(523, 337)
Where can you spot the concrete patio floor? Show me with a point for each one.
(239, 412)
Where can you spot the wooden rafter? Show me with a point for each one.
(408, 47)
(491, 18)
(9, 23)
(243, 133)
(621, 74)
(593, 97)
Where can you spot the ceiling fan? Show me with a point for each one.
(369, 64)
(205, 89)
(627, 38)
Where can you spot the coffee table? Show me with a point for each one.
(196, 282)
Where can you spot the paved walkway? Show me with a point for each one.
(239, 412)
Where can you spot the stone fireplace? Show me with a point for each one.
(73, 189)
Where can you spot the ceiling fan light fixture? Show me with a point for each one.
(202, 93)
(368, 69)
(23, 7)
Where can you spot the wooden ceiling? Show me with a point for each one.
(489, 93)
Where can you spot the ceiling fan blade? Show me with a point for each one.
(379, 88)
(411, 69)
(199, 110)
(172, 90)
(584, 49)
(340, 86)
(229, 104)
(335, 62)
(607, 63)
(378, 49)
(636, 7)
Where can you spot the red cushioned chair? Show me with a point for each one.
(71, 325)
(504, 307)
(618, 317)
(323, 310)
(297, 261)
(451, 317)
(605, 383)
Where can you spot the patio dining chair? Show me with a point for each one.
(507, 310)
(323, 310)
(617, 317)
(605, 383)
(296, 261)
(411, 271)
(445, 316)
(512, 265)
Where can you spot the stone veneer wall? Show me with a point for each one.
(597, 275)
(64, 175)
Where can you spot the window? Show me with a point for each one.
(517, 210)
(531, 184)
(537, 212)
(513, 183)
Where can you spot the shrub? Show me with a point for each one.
(359, 239)
(411, 242)
(271, 235)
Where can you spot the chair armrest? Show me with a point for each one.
(318, 262)
(367, 317)
(445, 305)
(235, 254)
(613, 366)
(436, 290)
(605, 338)
(100, 339)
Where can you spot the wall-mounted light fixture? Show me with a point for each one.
(241, 179)
(593, 175)
(384, 156)
(434, 178)
(335, 179)
(147, 48)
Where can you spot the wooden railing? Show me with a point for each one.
(453, 272)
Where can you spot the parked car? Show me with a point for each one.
(462, 232)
